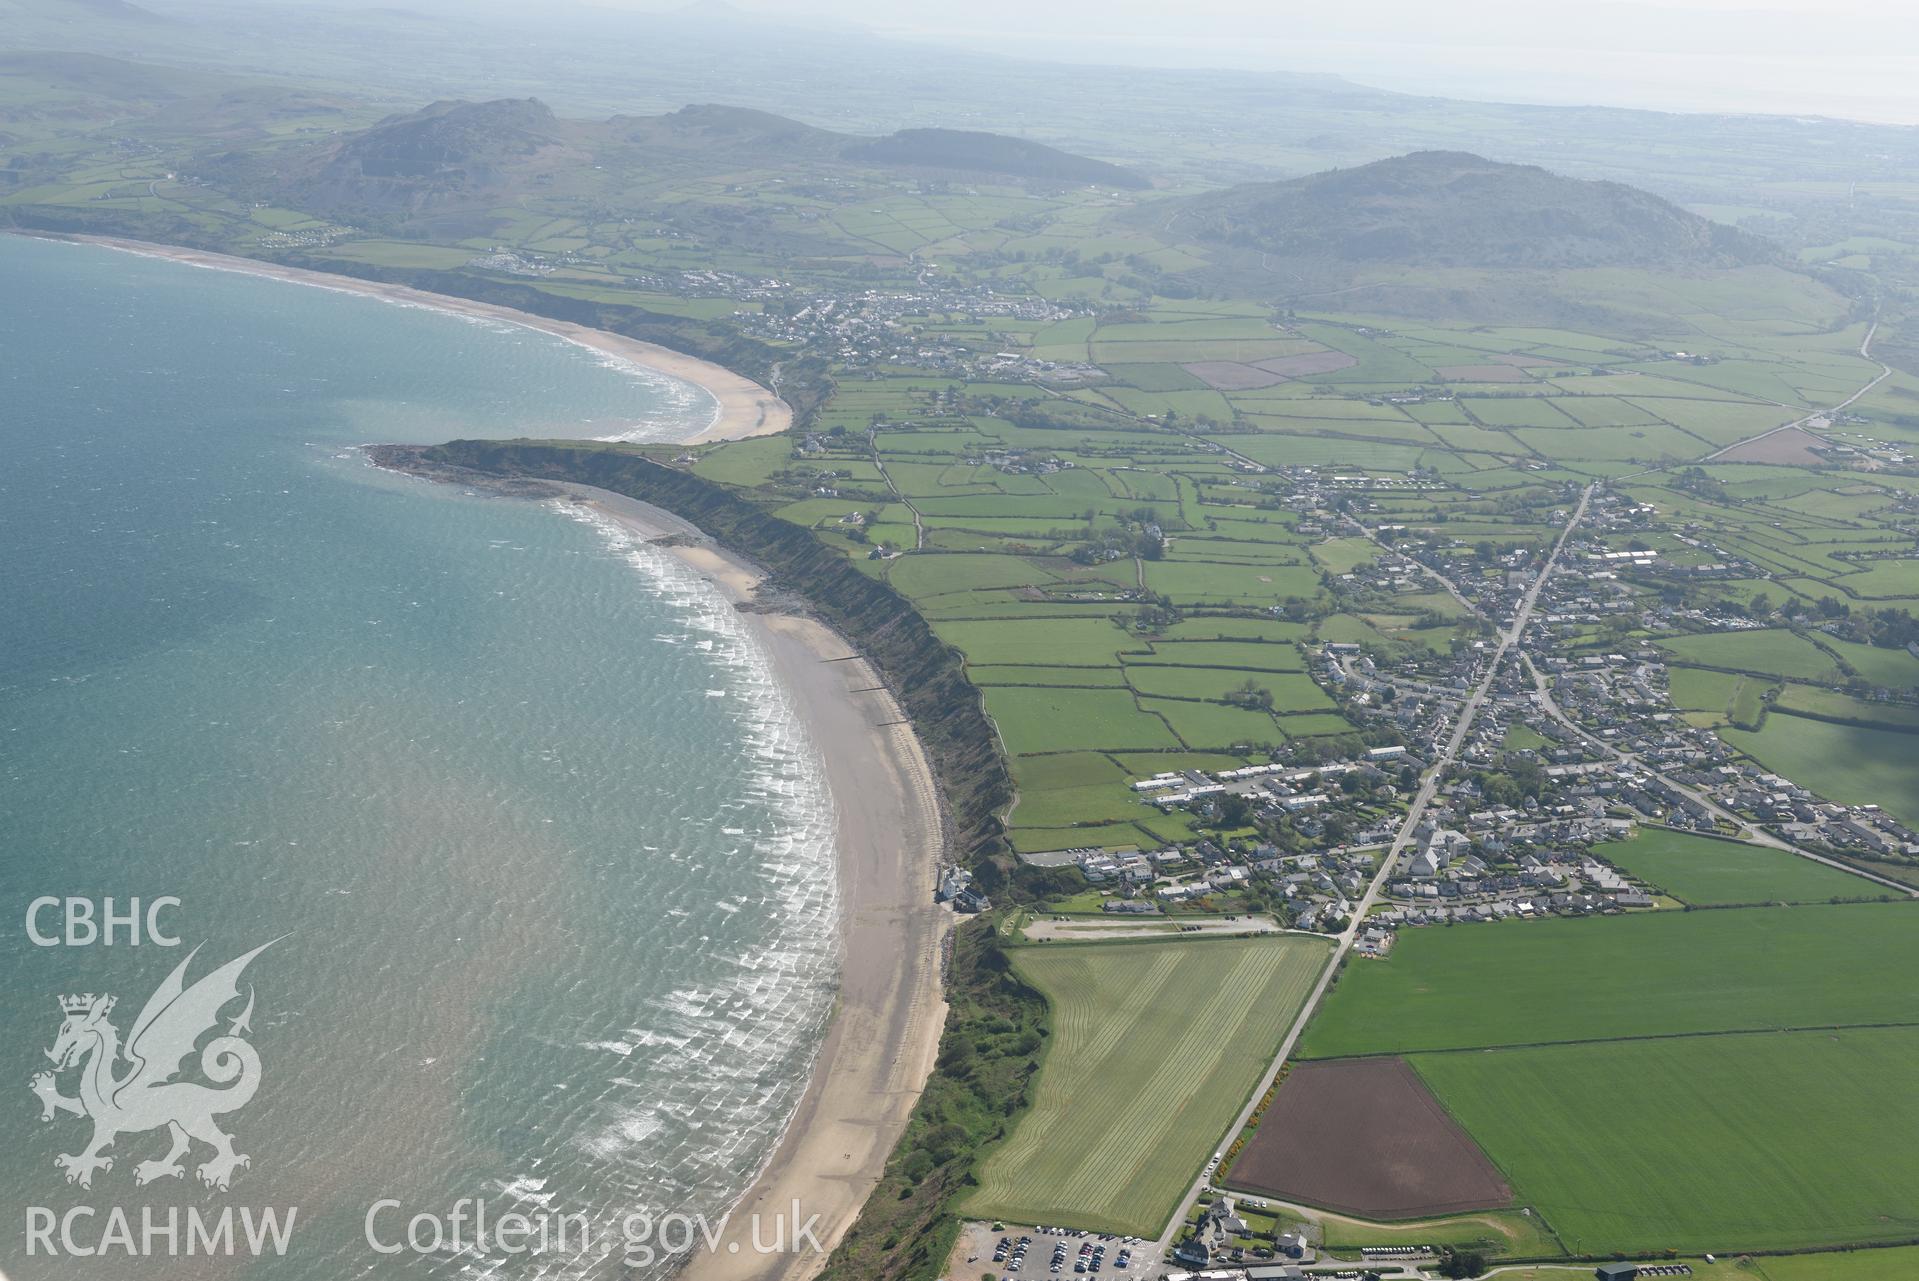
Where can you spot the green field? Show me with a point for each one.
(1706, 871)
(1245, 655)
(1656, 974)
(1712, 1143)
(1819, 703)
(1288, 692)
(1846, 763)
(1721, 696)
(1216, 726)
(1040, 719)
(1089, 641)
(1132, 1099)
(1893, 668)
(1769, 653)
(1520, 737)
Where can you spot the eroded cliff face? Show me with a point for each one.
(924, 672)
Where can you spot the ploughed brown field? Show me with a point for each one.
(1309, 363)
(1230, 375)
(1366, 1137)
(1497, 373)
(1788, 446)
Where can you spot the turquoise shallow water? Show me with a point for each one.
(549, 851)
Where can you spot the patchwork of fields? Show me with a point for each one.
(1040, 537)
(1832, 535)
(995, 520)
(1719, 1080)
(1118, 561)
(1039, 530)
(1120, 552)
(1154, 1048)
(1132, 592)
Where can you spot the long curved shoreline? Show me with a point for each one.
(891, 1009)
(745, 408)
(879, 1048)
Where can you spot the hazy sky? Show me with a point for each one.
(1855, 58)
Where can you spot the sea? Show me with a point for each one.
(538, 849)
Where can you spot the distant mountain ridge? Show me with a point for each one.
(967, 150)
(456, 153)
(1454, 209)
(704, 126)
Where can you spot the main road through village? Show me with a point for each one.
(1435, 774)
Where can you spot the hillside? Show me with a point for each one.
(990, 153)
(708, 127)
(1452, 209)
(450, 142)
(440, 166)
(445, 155)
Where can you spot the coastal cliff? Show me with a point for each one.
(924, 672)
(996, 1026)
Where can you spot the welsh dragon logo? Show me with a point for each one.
(145, 1094)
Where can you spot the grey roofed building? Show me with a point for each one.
(1192, 1252)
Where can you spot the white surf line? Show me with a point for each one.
(1429, 787)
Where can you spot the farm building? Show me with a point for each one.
(1616, 1271)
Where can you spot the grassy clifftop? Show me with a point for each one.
(996, 1025)
(924, 672)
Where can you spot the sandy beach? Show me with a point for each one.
(884, 1035)
(886, 1025)
(745, 407)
